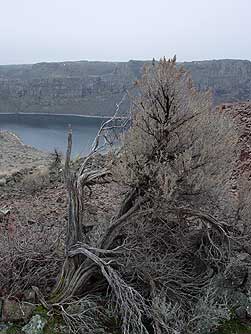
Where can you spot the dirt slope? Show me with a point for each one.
(15, 156)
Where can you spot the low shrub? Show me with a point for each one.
(30, 255)
(37, 180)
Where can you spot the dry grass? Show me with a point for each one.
(36, 181)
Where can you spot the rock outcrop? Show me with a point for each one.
(241, 113)
(94, 88)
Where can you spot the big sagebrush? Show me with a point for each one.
(158, 266)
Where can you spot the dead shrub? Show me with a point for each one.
(30, 255)
(56, 166)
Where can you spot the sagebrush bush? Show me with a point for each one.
(162, 262)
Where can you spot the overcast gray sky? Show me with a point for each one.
(57, 30)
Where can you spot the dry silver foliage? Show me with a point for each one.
(157, 265)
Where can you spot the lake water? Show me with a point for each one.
(49, 132)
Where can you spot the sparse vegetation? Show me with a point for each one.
(174, 258)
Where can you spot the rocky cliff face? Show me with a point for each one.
(230, 80)
(93, 88)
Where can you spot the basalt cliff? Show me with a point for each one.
(94, 88)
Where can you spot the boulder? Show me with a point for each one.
(35, 326)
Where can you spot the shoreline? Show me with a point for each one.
(45, 132)
(50, 114)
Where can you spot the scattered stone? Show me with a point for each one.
(35, 326)
(15, 311)
(4, 213)
(3, 182)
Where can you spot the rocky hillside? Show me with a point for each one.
(93, 88)
(16, 157)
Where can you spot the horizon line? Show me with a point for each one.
(117, 61)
